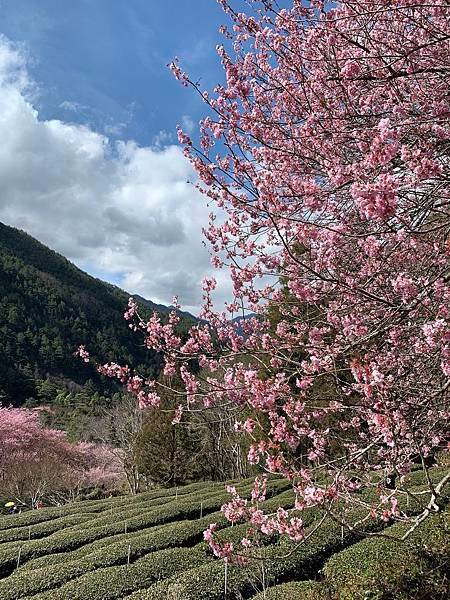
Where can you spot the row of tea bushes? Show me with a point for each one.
(23, 583)
(73, 537)
(283, 562)
(419, 477)
(125, 548)
(293, 590)
(381, 568)
(114, 583)
(284, 499)
(45, 528)
(308, 558)
(202, 498)
(111, 504)
(33, 517)
(161, 550)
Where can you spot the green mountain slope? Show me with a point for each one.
(48, 307)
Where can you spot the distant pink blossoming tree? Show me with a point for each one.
(38, 463)
(327, 148)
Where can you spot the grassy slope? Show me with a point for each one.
(150, 547)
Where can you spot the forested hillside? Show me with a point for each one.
(48, 307)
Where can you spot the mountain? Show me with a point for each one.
(161, 308)
(48, 307)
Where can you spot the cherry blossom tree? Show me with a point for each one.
(97, 466)
(37, 463)
(326, 148)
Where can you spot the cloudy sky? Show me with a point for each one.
(89, 162)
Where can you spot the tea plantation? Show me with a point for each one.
(151, 547)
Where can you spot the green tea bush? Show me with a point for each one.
(97, 506)
(33, 517)
(188, 506)
(294, 590)
(284, 499)
(115, 582)
(49, 560)
(45, 528)
(281, 561)
(411, 503)
(176, 534)
(72, 538)
(379, 568)
(419, 477)
(22, 583)
(88, 559)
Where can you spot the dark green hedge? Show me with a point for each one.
(75, 537)
(294, 590)
(115, 582)
(419, 477)
(72, 538)
(283, 561)
(97, 506)
(23, 583)
(105, 520)
(40, 530)
(378, 568)
(91, 563)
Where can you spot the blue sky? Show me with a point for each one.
(89, 161)
(103, 62)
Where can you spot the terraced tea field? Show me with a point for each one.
(151, 547)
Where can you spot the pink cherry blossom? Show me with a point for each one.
(324, 149)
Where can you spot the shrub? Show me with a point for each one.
(92, 563)
(382, 568)
(282, 561)
(294, 590)
(33, 517)
(73, 538)
(40, 530)
(47, 577)
(97, 506)
(116, 582)
(418, 477)
(87, 548)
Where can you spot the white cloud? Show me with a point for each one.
(187, 124)
(115, 129)
(114, 208)
(163, 138)
(72, 106)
